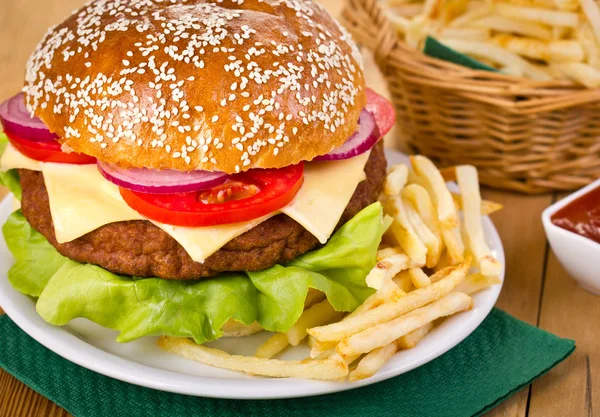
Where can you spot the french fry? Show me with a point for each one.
(274, 345)
(432, 8)
(419, 278)
(420, 199)
(477, 34)
(395, 180)
(516, 71)
(313, 297)
(318, 314)
(549, 51)
(374, 360)
(455, 247)
(497, 54)
(385, 333)
(389, 311)
(404, 282)
(404, 233)
(451, 9)
(315, 369)
(441, 272)
(386, 269)
(549, 71)
(425, 235)
(582, 73)
(546, 4)
(590, 9)
(387, 222)
(389, 292)
(320, 349)
(438, 191)
(560, 33)
(518, 26)
(539, 15)
(410, 340)
(477, 282)
(468, 183)
(391, 251)
(470, 16)
(233, 328)
(588, 40)
(487, 207)
(415, 32)
(568, 5)
(401, 23)
(346, 360)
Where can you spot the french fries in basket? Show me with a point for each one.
(537, 39)
(426, 276)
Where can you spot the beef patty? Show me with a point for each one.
(141, 249)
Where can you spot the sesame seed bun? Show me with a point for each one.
(222, 85)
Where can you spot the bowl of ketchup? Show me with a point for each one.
(572, 226)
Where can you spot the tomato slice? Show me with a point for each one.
(258, 191)
(48, 152)
(383, 110)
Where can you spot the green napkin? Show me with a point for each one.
(438, 50)
(502, 356)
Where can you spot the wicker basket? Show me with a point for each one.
(523, 135)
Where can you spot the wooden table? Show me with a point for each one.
(537, 289)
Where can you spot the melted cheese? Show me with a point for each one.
(81, 200)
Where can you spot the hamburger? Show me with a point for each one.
(193, 168)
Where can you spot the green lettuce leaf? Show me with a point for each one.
(36, 259)
(10, 178)
(138, 307)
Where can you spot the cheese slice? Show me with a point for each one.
(13, 159)
(328, 187)
(81, 200)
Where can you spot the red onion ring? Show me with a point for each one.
(17, 120)
(360, 142)
(165, 181)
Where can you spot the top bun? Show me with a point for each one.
(222, 85)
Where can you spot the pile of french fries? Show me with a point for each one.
(429, 263)
(537, 39)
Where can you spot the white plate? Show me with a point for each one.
(143, 363)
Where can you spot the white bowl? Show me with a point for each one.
(579, 255)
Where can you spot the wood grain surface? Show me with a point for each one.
(537, 289)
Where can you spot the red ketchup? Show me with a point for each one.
(581, 216)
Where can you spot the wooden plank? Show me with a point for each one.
(522, 234)
(19, 400)
(569, 311)
(519, 226)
